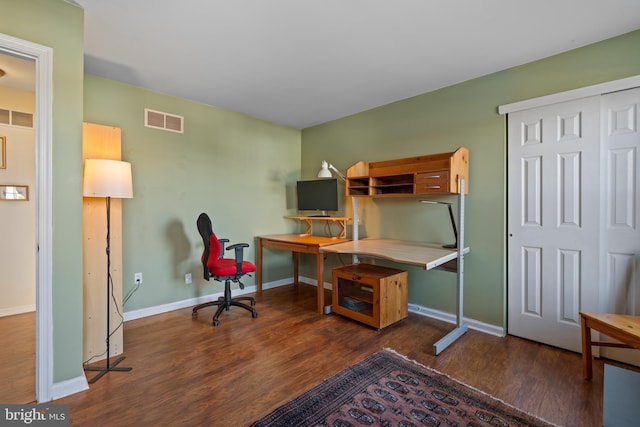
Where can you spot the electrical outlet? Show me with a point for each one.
(138, 278)
(187, 278)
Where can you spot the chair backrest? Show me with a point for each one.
(206, 232)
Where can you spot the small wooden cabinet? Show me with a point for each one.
(412, 176)
(371, 294)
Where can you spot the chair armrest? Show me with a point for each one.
(222, 249)
(239, 254)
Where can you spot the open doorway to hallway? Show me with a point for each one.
(18, 230)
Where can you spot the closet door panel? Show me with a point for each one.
(621, 211)
(553, 185)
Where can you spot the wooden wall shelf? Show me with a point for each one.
(412, 176)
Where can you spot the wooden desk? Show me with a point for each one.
(298, 243)
(425, 255)
(621, 327)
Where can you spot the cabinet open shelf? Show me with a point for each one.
(421, 175)
(371, 294)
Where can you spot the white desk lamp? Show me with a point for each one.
(325, 172)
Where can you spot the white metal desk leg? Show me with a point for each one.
(461, 326)
(354, 227)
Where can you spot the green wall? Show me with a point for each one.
(242, 171)
(59, 25)
(440, 121)
(234, 167)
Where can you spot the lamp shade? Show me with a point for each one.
(324, 171)
(107, 178)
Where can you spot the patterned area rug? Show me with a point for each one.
(386, 389)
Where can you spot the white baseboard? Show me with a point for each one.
(17, 310)
(451, 318)
(177, 305)
(68, 387)
(413, 308)
(277, 283)
(314, 282)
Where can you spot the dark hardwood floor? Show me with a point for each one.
(18, 358)
(187, 372)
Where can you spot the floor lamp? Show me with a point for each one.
(107, 178)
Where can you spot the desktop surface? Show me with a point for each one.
(425, 255)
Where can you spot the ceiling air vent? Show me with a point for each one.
(22, 119)
(165, 121)
(16, 118)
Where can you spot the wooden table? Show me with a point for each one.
(298, 243)
(621, 327)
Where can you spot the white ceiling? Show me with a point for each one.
(20, 72)
(304, 62)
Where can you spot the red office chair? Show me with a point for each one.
(223, 269)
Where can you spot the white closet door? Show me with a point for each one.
(553, 220)
(620, 284)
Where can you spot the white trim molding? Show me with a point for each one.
(29, 308)
(584, 92)
(451, 318)
(43, 57)
(68, 387)
(178, 305)
(413, 308)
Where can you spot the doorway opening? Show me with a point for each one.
(42, 57)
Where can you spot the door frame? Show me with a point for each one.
(570, 95)
(43, 57)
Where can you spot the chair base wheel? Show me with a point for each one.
(224, 304)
